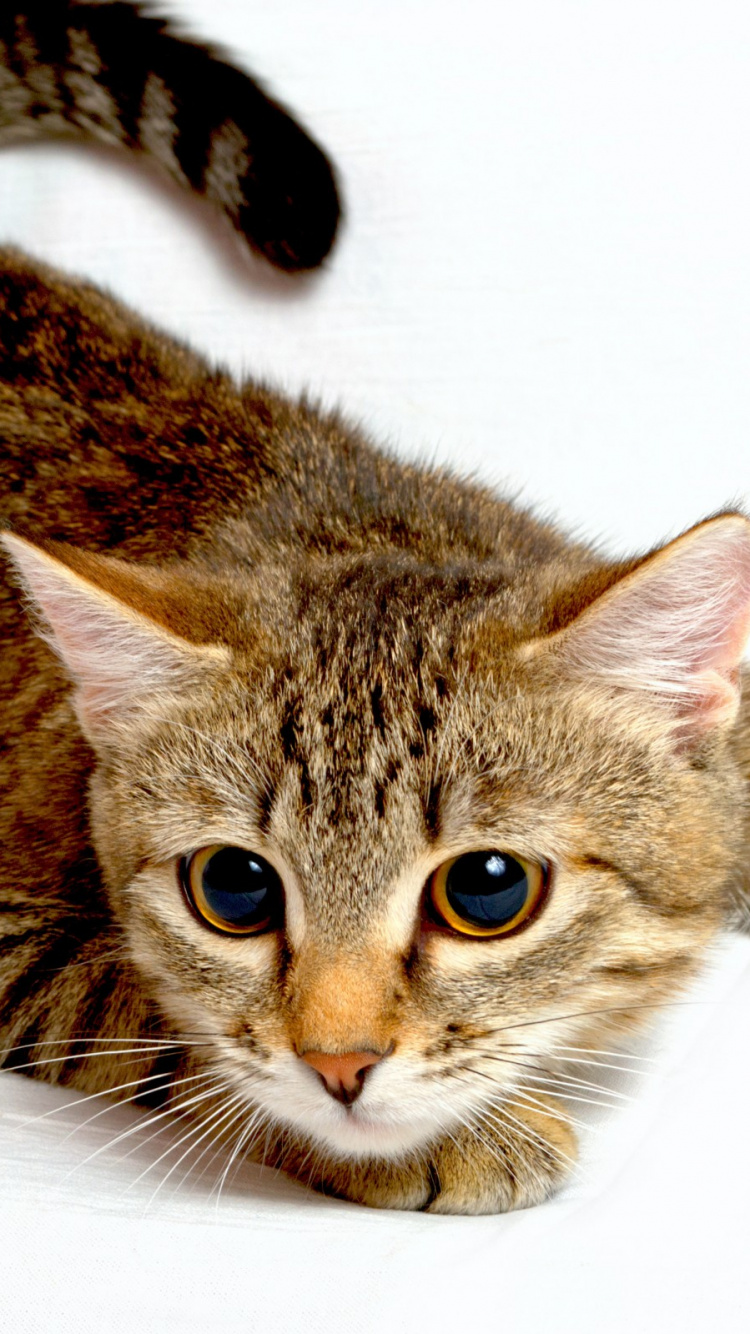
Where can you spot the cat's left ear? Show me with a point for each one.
(672, 631)
(117, 628)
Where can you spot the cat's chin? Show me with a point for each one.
(356, 1132)
(357, 1135)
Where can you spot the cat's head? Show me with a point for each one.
(391, 837)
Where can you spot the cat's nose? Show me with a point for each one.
(344, 1075)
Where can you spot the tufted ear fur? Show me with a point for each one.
(673, 629)
(109, 622)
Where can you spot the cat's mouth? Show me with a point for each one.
(363, 1133)
(387, 1124)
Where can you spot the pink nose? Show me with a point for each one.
(344, 1075)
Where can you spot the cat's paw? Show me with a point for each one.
(497, 1166)
(507, 1164)
(381, 1184)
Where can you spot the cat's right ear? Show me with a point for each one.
(670, 635)
(108, 621)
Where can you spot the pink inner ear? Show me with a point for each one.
(115, 655)
(676, 627)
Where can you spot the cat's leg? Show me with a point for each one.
(505, 1161)
(508, 1163)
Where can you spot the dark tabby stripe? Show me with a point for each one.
(114, 73)
(24, 979)
(67, 991)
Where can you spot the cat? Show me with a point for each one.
(348, 810)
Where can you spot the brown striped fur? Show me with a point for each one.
(375, 667)
(114, 73)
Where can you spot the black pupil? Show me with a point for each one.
(240, 887)
(487, 888)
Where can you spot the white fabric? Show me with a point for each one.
(544, 276)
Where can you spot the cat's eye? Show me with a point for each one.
(233, 890)
(486, 893)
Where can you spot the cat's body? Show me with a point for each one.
(361, 671)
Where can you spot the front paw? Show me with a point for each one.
(497, 1165)
(508, 1161)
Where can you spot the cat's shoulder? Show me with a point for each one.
(63, 331)
(109, 429)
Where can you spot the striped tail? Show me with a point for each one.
(112, 72)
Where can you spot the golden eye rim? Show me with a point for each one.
(201, 911)
(449, 923)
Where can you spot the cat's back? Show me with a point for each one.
(116, 437)
(110, 433)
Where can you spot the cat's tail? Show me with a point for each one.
(113, 72)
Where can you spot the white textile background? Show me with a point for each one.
(544, 277)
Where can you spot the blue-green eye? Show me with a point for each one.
(234, 890)
(486, 893)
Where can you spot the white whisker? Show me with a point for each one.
(517, 1126)
(103, 1093)
(139, 1126)
(83, 1056)
(206, 1126)
(560, 1079)
(601, 1051)
(239, 1113)
(255, 1118)
(140, 1092)
(587, 1014)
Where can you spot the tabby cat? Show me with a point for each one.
(348, 811)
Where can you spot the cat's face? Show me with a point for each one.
(376, 740)
(356, 727)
